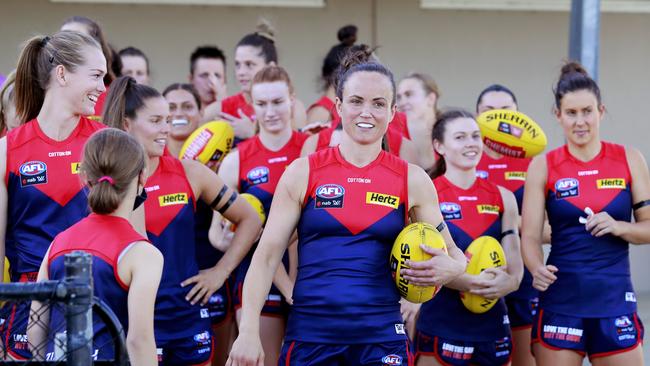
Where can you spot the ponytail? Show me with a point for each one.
(38, 58)
(124, 99)
(111, 160)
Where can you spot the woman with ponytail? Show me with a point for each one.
(324, 109)
(252, 53)
(444, 323)
(58, 81)
(346, 307)
(126, 267)
(182, 320)
(589, 188)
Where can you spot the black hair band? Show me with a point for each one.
(227, 205)
(220, 195)
(441, 227)
(638, 205)
(508, 232)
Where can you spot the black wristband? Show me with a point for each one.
(508, 232)
(441, 227)
(215, 202)
(638, 205)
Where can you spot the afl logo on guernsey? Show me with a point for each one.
(32, 173)
(258, 175)
(329, 196)
(392, 360)
(450, 211)
(482, 174)
(566, 187)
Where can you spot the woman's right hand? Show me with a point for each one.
(544, 276)
(246, 351)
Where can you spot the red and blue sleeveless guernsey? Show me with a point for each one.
(344, 293)
(105, 237)
(329, 105)
(469, 214)
(509, 173)
(593, 278)
(169, 216)
(45, 193)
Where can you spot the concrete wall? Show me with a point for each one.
(463, 50)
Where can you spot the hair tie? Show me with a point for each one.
(106, 178)
(45, 40)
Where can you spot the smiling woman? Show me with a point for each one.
(58, 80)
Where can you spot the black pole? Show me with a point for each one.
(584, 35)
(78, 309)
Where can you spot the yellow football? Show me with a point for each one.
(257, 205)
(483, 253)
(407, 247)
(511, 133)
(209, 143)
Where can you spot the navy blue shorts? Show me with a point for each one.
(220, 304)
(461, 353)
(595, 337)
(275, 304)
(193, 350)
(296, 353)
(521, 312)
(13, 330)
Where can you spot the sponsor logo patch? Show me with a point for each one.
(258, 175)
(630, 297)
(329, 196)
(391, 360)
(399, 329)
(488, 209)
(457, 352)
(563, 333)
(515, 175)
(74, 168)
(374, 198)
(32, 173)
(566, 187)
(450, 211)
(482, 174)
(510, 129)
(202, 338)
(173, 199)
(611, 183)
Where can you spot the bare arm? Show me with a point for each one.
(299, 115)
(141, 267)
(207, 186)
(408, 152)
(39, 318)
(533, 224)
(637, 232)
(440, 269)
(282, 221)
(310, 145)
(318, 114)
(502, 281)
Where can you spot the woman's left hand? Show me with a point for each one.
(494, 283)
(409, 311)
(601, 224)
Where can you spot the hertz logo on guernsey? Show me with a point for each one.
(173, 199)
(374, 198)
(515, 175)
(488, 209)
(611, 183)
(74, 168)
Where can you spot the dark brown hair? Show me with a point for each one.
(360, 58)
(118, 158)
(574, 77)
(438, 134)
(124, 99)
(38, 58)
(264, 39)
(188, 88)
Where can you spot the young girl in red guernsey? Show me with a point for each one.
(589, 188)
(256, 166)
(58, 81)
(126, 267)
(253, 52)
(395, 141)
(448, 333)
(345, 304)
(182, 324)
